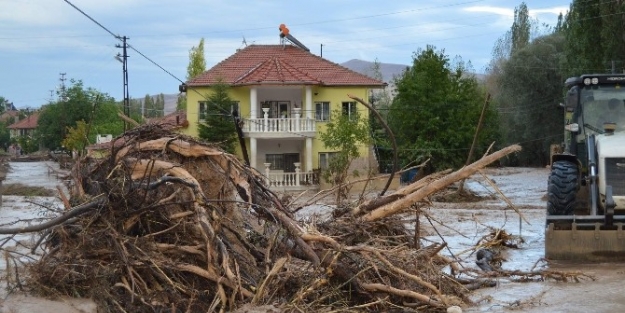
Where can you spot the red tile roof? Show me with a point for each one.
(278, 64)
(29, 122)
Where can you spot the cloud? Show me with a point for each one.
(507, 12)
(491, 9)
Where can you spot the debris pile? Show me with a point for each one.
(166, 222)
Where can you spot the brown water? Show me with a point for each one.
(526, 188)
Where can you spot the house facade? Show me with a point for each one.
(25, 126)
(285, 96)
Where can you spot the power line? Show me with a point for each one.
(93, 20)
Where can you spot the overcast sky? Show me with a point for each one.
(43, 38)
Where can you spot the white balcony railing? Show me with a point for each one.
(290, 179)
(276, 125)
(298, 124)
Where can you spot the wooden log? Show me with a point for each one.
(406, 202)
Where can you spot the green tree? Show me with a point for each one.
(159, 105)
(585, 46)
(78, 104)
(77, 137)
(136, 106)
(148, 106)
(196, 66)
(29, 144)
(181, 102)
(436, 110)
(344, 133)
(381, 101)
(520, 31)
(218, 125)
(4, 103)
(530, 88)
(5, 137)
(4, 131)
(197, 61)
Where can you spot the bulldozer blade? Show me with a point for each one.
(585, 244)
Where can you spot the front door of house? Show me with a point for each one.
(289, 159)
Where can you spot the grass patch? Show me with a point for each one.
(27, 191)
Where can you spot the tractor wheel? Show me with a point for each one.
(562, 188)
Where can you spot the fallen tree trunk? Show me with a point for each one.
(404, 203)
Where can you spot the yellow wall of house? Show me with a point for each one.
(197, 94)
(336, 96)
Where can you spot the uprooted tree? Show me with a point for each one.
(167, 222)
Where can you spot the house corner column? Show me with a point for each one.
(253, 150)
(253, 101)
(309, 161)
(309, 108)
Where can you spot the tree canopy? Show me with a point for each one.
(436, 111)
(197, 61)
(78, 103)
(344, 133)
(196, 66)
(217, 125)
(530, 89)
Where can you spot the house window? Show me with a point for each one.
(324, 159)
(349, 109)
(202, 110)
(276, 160)
(322, 111)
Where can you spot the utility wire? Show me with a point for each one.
(93, 20)
(158, 65)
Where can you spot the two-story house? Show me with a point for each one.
(25, 126)
(285, 96)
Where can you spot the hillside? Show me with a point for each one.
(388, 70)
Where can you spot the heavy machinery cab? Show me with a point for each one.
(586, 191)
(593, 101)
(596, 110)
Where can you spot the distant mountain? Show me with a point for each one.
(171, 101)
(388, 70)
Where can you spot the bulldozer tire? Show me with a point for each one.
(562, 188)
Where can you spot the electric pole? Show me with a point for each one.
(63, 103)
(123, 57)
(62, 87)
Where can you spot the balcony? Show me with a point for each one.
(297, 180)
(266, 127)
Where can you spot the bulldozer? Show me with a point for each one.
(586, 186)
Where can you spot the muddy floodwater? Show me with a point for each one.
(460, 225)
(526, 189)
